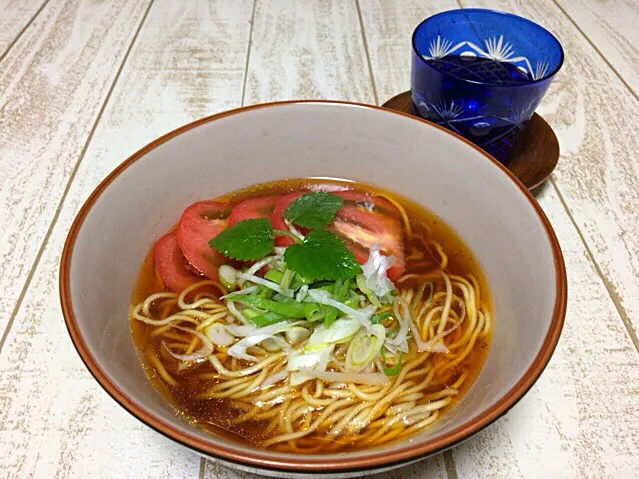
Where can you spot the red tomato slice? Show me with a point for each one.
(171, 264)
(199, 224)
(278, 221)
(254, 208)
(361, 224)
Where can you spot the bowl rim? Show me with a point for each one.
(320, 463)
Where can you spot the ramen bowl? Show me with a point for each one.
(492, 212)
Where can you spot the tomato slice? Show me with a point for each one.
(199, 224)
(171, 264)
(361, 222)
(278, 221)
(254, 208)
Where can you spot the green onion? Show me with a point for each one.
(362, 350)
(264, 292)
(288, 310)
(342, 292)
(337, 286)
(228, 276)
(265, 319)
(323, 285)
(313, 312)
(372, 297)
(287, 277)
(298, 281)
(361, 284)
(274, 275)
(379, 317)
(330, 315)
(394, 371)
(280, 298)
(341, 331)
(296, 334)
(352, 302)
(250, 313)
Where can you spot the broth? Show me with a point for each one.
(218, 416)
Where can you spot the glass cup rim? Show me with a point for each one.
(494, 12)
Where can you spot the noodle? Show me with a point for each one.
(382, 413)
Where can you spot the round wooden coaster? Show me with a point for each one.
(534, 156)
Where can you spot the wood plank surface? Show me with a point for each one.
(15, 16)
(53, 83)
(611, 25)
(562, 422)
(55, 420)
(310, 49)
(433, 468)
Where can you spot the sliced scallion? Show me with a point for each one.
(392, 371)
(274, 275)
(288, 310)
(379, 317)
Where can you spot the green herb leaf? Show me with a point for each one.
(313, 210)
(322, 256)
(245, 240)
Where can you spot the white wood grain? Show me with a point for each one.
(389, 27)
(55, 420)
(431, 469)
(310, 49)
(16, 15)
(611, 25)
(52, 85)
(578, 420)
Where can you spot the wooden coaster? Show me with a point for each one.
(534, 156)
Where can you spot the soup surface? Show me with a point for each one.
(311, 316)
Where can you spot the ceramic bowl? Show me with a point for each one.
(498, 219)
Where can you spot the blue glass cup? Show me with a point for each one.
(482, 73)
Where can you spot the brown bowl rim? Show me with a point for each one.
(319, 463)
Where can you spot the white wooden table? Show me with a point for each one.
(85, 83)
